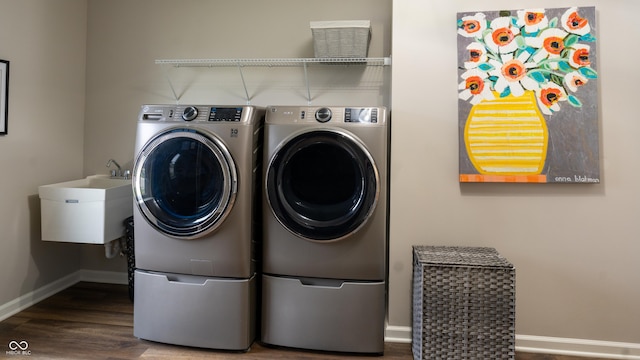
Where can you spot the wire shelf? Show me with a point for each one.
(274, 62)
(384, 61)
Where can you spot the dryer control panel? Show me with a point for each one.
(328, 115)
(368, 115)
(361, 115)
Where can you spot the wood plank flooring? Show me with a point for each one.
(95, 321)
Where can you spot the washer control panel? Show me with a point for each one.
(189, 113)
(192, 113)
(225, 114)
(323, 114)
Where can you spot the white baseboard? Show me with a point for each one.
(16, 305)
(578, 347)
(31, 298)
(547, 345)
(397, 334)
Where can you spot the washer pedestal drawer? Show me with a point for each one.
(216, 313)
(323, 314)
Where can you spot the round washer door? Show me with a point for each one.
(322, 185)
(185, 182)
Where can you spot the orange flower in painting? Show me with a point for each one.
(533, 20)
(554, 45)
(550, 43)
(573, 23)
(474, 87)
(475, 84)
(579, 55)
(476, 55)
(548, 97)
(574, 80)
(472, 26)
(501, 38)
(511, 73)
(513, 70)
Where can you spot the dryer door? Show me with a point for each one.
(185, 182)
(322, 185)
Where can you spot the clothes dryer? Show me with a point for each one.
(195, 183)
(325, 228)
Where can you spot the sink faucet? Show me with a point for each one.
(115, 173)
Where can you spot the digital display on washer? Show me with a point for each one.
(225, 114)
(361, 115)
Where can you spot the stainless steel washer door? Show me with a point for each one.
(185, 182)
(322, 185)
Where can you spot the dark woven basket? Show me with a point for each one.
(463, 303)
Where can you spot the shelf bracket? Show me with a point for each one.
(173, 90)
(244, 84)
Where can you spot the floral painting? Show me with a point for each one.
(527, 96)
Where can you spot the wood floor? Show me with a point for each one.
(95, 321)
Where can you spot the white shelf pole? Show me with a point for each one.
(306, 80)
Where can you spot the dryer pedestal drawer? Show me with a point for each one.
(199, 311)
(322, 314)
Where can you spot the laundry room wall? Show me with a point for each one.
(45, 42)
(575, 247)
(126, 37)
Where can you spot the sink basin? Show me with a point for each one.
(90, 210)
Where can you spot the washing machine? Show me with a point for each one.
(325, 228)
(197, 226)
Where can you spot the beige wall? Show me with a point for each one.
(45, 41)
(126, 37)
(575, 247)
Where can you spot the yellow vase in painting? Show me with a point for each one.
(507, 136)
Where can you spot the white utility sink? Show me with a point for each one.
(90, 210)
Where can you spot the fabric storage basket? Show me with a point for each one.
(341, 39)
(463, 303)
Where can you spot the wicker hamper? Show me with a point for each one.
(463, 303)
(341, 39)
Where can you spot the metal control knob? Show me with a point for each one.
(323, 115)
(190, 113)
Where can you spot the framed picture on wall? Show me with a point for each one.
(528, 96)
(4, 95)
